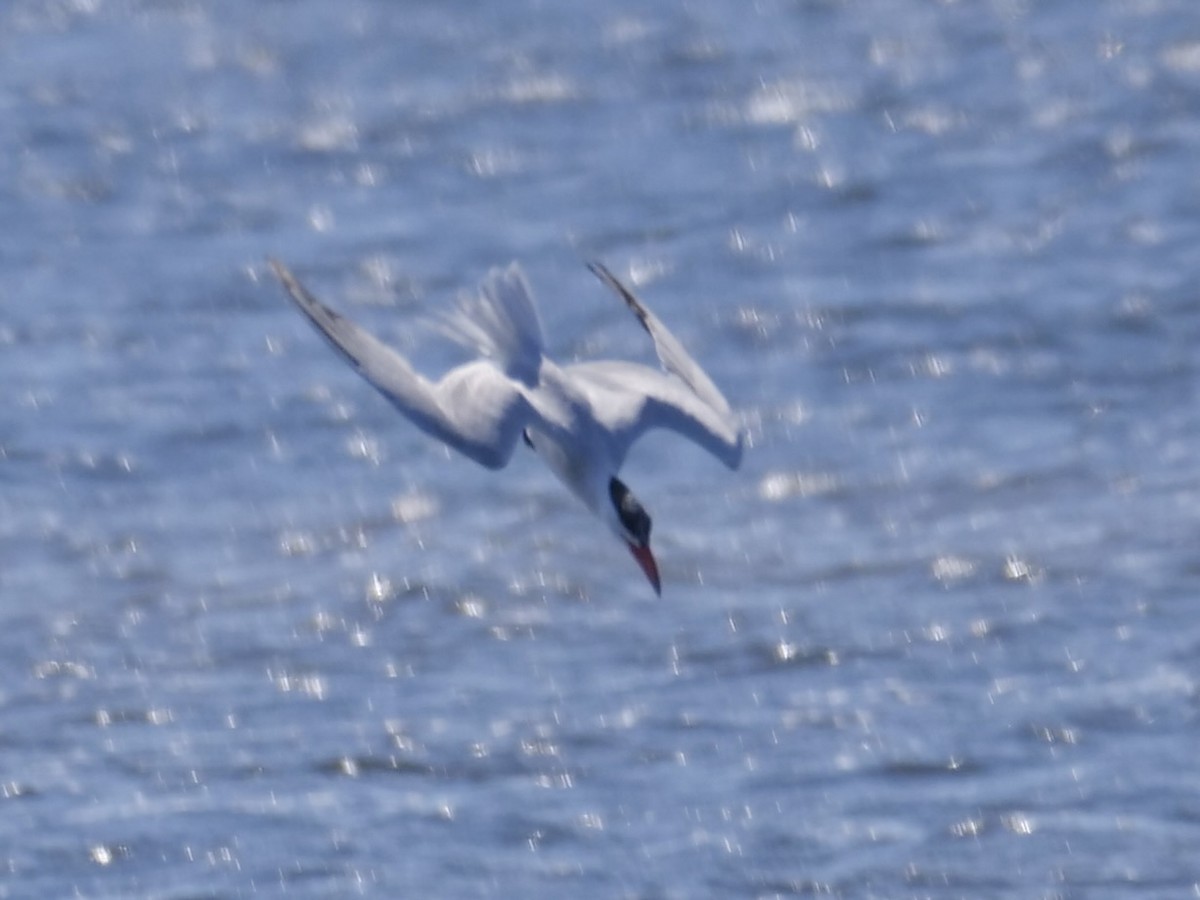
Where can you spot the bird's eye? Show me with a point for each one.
(630, 512)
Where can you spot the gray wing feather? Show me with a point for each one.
(629, 399)
(475, 408)
(693, 401)
(670, 352)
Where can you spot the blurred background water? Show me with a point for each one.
(937, 638)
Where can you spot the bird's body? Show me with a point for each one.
(580, 418)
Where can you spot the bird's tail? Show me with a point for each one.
(500, 322)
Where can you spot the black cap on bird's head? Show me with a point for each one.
(635, 527)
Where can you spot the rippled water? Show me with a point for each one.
(937, 638)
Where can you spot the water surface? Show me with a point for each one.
(935, 639)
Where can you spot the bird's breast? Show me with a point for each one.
(568, 440)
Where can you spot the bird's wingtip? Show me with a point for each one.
(278, 268)
(734, 462)
(602, 272)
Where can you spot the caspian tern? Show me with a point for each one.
(580, 418)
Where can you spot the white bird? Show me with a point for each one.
(580, 418)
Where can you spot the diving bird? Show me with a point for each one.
(580, 418)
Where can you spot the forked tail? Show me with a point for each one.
(501, 322)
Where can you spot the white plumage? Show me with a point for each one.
(580, 418)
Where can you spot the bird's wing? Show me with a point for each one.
(670, 352)
(689, 403)
(628, 400)
(475, 408)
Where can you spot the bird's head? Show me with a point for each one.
(632, 525)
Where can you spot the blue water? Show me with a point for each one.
(937, 638)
